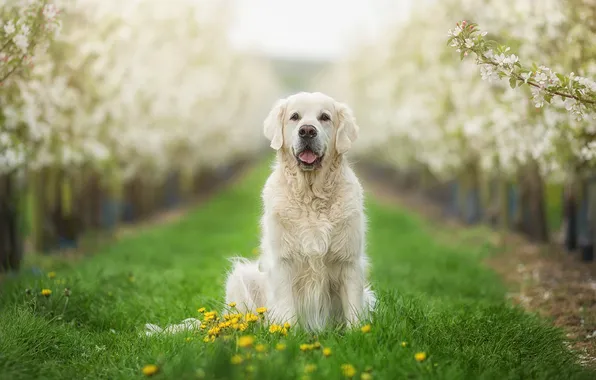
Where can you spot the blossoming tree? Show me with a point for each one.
(130, 96)
(26, 28)
(426, 110)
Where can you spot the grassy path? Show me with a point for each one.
(437, 298)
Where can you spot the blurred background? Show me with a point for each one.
(112, 112)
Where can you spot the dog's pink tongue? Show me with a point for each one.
(307, 156)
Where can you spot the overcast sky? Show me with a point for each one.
(311, 28)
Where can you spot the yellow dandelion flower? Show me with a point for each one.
(261, 310)
(287, 325)
(245, 341)
(306, 347)
(201, 310)
(365, 376)
(420, 356)
(235, 326)
(188, 339)
(213, 331)
(327, 352)
(206, 339)
(236, 359)
(243, 326)
(310, 368)
(46, 292)
(404, 344)
(250, 317)
(260, 348)
(232, 304)
(365, 329)
(280, 347)
(316, 345)
(150, 369)
(284, 332)
(274, 328)
(348, 370)
(51, 275)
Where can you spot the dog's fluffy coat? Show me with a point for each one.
(312, 266)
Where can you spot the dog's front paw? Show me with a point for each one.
(282, 315)
(352, 323)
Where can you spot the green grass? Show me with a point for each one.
(435, 296)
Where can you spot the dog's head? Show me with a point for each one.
(312, 127)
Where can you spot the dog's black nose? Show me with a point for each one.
(307, 131)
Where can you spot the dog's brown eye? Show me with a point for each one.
(295, 116)
(324, 117)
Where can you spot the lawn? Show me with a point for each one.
(436, 297)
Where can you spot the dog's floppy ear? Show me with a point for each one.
(347, 132)
(273, 125)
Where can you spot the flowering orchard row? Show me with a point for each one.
(505, 96)
(138, 87)
(121, 94)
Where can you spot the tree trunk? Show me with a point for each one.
(585, 231)
(570, 217)
(533, 220)
(588, 253)
(66, 220)
(472, 198)
(504, 214)
(11, 238)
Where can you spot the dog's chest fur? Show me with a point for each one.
(313, 227)
(315, 221)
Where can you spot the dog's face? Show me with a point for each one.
(311, 127)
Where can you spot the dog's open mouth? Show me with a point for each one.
(308, 159)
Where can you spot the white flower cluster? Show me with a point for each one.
(136, 88)
(418, 104)
(26, 26)
(577, 92)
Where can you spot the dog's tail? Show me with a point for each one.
(245, 285)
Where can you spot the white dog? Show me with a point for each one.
(312, 267)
